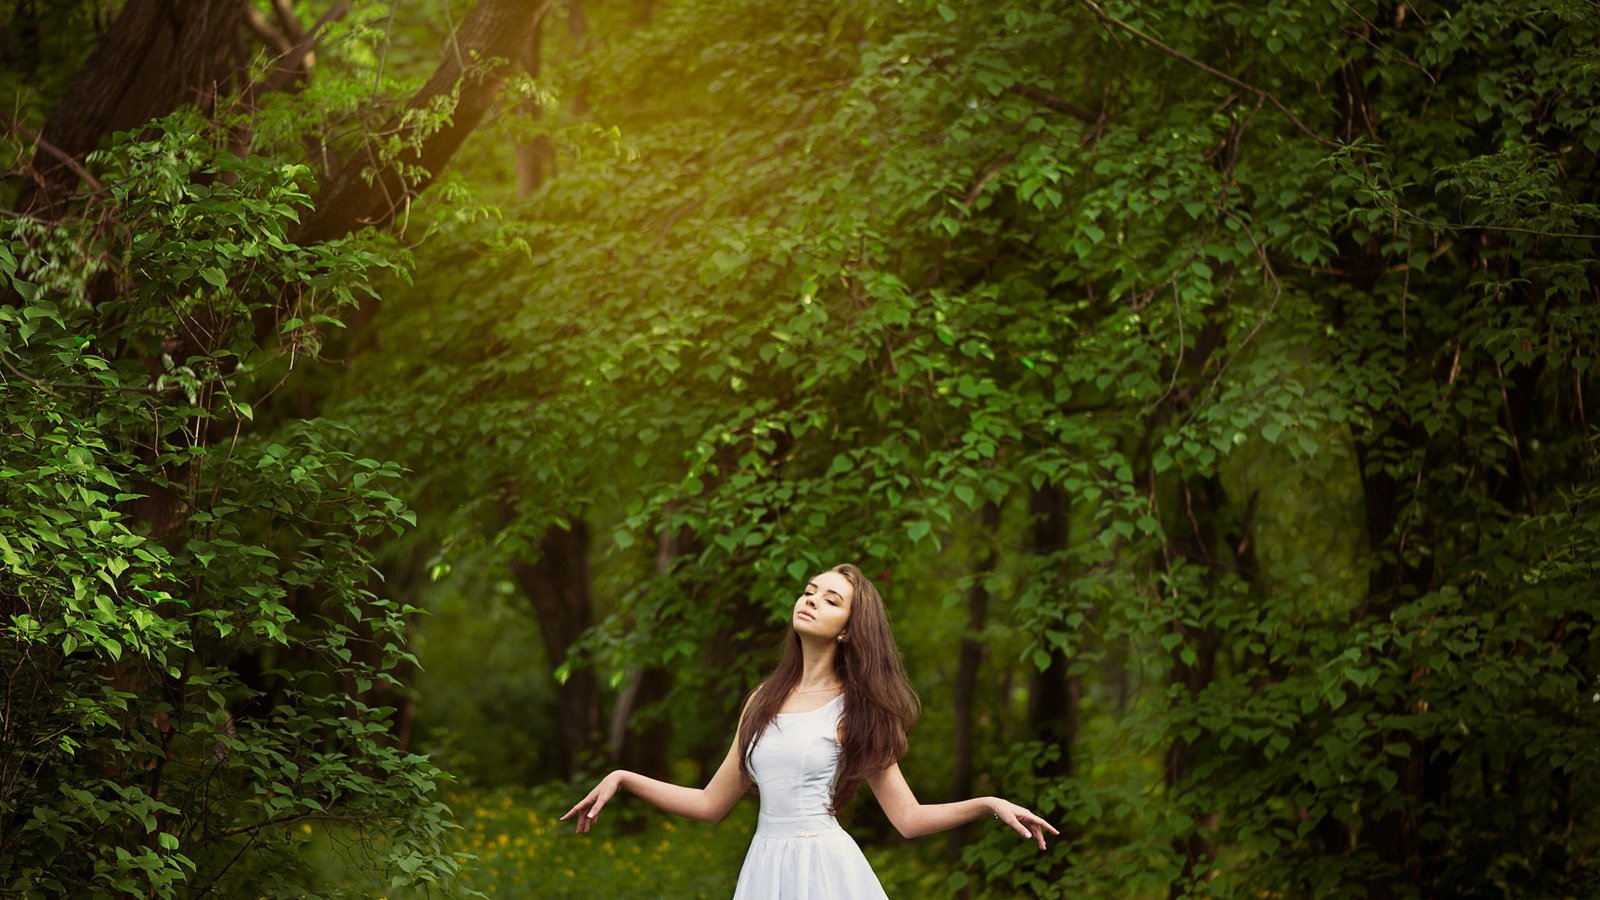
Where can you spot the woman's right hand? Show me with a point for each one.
(589, 807)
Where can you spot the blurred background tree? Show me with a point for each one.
(1205, 385)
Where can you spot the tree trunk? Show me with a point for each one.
(1390, 578)
(497, 30)
(1192, 535)
(1203, 500)
(536, 158)
(970, 659)
(632, 748)
(748, 635)
(557, 586)
(1054, 694)
(157, 56)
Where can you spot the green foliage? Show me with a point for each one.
(189, 622)
(1306, 358)
(1288, 307)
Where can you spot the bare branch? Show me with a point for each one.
(298, 57)
(288, 20)
(1051, 101)
(270, 36)
(40, 143)
(983, 180)
(1215, 73)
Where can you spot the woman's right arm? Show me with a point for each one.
(708, 804)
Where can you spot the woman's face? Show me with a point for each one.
(823, 608)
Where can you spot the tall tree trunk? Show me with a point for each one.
(557, 586)
(578, 29)
(632, 748)
(1203, 500)
(1054, 694)
(748, 634)
(536, 155)
(1190, 526)
(969, 660)
(1394, 836)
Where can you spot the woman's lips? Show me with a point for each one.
(806, 615)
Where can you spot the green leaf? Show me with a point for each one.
(727, 260)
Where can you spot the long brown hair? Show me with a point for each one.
(879, 704)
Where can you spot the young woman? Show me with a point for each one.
(834, 714)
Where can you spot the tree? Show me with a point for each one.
(183, 588)
(1187, 272)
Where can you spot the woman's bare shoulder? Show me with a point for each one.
(750, 699)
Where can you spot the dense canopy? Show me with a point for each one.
(407, 406)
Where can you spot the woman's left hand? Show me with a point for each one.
(1022, 819)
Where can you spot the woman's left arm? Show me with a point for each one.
(913, 819)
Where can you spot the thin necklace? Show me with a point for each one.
(822, 690)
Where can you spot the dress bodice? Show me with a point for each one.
(796, 761)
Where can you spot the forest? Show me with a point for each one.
(412, 411)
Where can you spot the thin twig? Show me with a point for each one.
(983, 180)
(66, 158)
(1051, 101)
(1215, 73)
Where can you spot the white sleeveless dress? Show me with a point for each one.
(799, 851)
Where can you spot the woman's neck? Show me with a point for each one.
(816, 671)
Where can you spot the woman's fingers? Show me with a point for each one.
(1008, 814)
(590, 803)
(1028, 825)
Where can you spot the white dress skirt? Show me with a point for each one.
(799, 851)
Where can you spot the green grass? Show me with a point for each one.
(512, 845)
